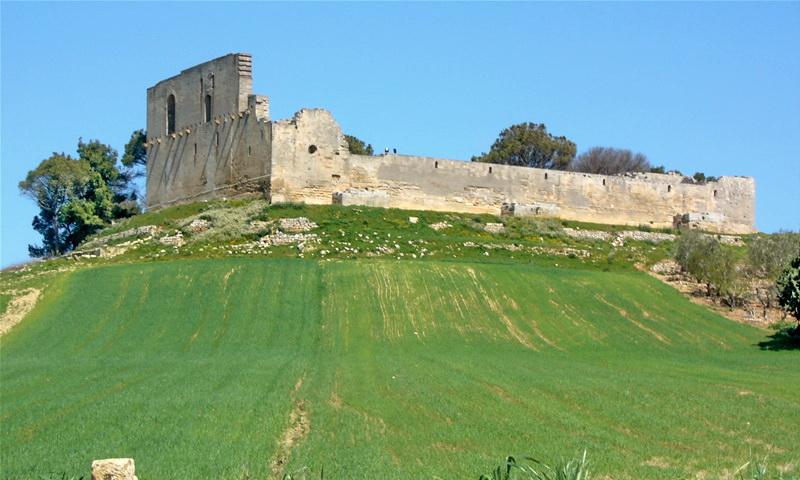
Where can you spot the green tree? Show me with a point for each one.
(610, 161)
(530, 145)
(53, 185)
(356, 146)
(77, 197)
(102, 159)
(789, 291)
(135, 154)
(700, 177)
(769, 255)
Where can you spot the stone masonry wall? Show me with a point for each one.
(305, 159)
(426, 183)
(227, 79)
(223, 157)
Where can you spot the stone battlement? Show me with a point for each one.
(209, 136)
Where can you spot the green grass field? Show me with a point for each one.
(399, 369)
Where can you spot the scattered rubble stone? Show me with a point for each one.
(107, 251)
(143, 231)
(440, 226)
(587, 234)
(259, 225)
(413, 219)
(199, 225)
(666, 267)
(174, 240)
(281, 238)
(494, 228)
(296, 225)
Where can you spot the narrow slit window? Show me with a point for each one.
(545, 176)
(170, 114)
(435, 164)
(490, 169)
(715, 194)
(195, 151)
(216, 139)
(669, 188)
(604, 182)
(207, 105)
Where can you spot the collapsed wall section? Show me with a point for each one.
(309, 152)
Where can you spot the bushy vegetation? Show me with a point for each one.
(529, 468)
(356, 146)
(737, 274)
(530, 145)
(77, 196)
(788, 288)
(610, 161)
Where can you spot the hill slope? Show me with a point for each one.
(245, 368)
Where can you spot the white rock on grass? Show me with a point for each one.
(494, 228)
(114, 469)
(296, 225)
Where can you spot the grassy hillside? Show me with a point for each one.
(378, 368)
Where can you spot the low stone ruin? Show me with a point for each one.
(281, 238)
(440, 226)
(173, 240)
(296, 225)
(494, 228)
(198, 225)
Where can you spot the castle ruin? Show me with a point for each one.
(208, 136)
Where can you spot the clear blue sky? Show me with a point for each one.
(712, 87)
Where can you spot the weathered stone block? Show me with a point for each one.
(114, 469)
(529, 209)
(698, 220)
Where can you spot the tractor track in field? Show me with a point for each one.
(299, 427)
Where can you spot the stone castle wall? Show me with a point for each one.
(224, 157)
(305, 159)
(425, 183)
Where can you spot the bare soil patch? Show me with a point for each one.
(299, 426)
(18, 308)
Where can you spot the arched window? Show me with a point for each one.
(170, 114)
(208, 107)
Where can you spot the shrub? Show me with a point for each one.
(531, 469)
(769, 255)
(789, 290)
